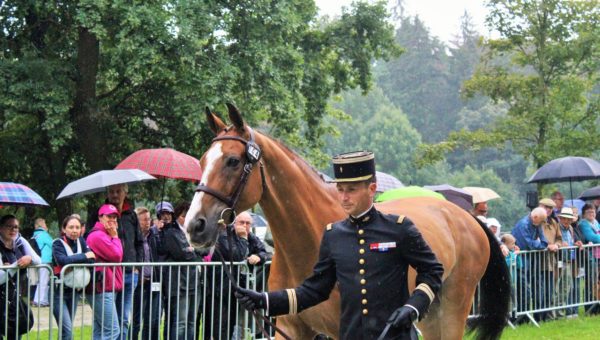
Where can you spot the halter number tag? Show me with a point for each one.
(253, 152)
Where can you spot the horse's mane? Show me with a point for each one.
(293, 155)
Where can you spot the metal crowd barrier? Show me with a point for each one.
(548, 285)
(171, 301)
(195, 301)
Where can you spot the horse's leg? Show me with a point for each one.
(457, 298)
(430, 327)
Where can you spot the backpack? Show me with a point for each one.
(34, 245)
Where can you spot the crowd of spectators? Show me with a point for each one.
(556, 264)
(126, 299)
(544, 251)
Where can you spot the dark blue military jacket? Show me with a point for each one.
(369, 259)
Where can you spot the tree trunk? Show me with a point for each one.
(89, 123)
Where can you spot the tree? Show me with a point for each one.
(549, 85)
(84, 83)
(375, 124)
(418, 82)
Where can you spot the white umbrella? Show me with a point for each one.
(387, 182)
(481, 194)
(100, 180)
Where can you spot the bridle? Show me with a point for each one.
(252, 155)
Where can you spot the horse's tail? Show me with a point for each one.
(494, 293)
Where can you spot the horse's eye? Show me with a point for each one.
(232, 162)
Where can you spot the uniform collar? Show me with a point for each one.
(364, 217)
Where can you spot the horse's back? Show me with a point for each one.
(452, 233)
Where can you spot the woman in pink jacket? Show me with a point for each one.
(107, 281)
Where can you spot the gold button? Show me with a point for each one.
(364, 301)
(361, 261)
(363, 291)
(360, 232)
(361, 251)
(363, 281)
(365, 311)
(361, 272)
(361, 241)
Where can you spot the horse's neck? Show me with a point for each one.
(298, 205)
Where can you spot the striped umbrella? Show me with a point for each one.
(19, 194)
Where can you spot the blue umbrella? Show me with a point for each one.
(577, 203)
(19, 194)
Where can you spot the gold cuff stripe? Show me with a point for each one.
(293, 306)
(355, 179)
(427, 290)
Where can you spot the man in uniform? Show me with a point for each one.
(368, 254)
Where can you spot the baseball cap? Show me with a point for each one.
(164, 206)
(108, 209)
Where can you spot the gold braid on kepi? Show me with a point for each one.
(354, 166)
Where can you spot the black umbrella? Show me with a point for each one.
(455, 195)
(590, 194)
(567, 169)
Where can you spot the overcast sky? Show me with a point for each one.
(441, 16)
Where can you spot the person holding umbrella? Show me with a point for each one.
(14, 251)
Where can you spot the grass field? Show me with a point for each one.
(582, 328)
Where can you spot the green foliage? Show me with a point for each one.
(85, 83)
(548, 86)
(377, 125)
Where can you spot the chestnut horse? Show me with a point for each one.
(298, 205)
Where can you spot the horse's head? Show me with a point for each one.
(232, 179)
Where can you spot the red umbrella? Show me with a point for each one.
(164, 163)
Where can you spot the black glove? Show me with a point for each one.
(403, 317)
(250, 299)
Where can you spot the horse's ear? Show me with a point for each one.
(214, 122)
(235, 117)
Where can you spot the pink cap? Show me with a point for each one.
(108, 209)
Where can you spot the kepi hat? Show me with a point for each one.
(354, 166)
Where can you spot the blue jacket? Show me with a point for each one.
(528, 236)
(591, 232)
(44, 241)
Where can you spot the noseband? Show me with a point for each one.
(252, 156)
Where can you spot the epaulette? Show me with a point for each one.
(329, 227)
(400, 219)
